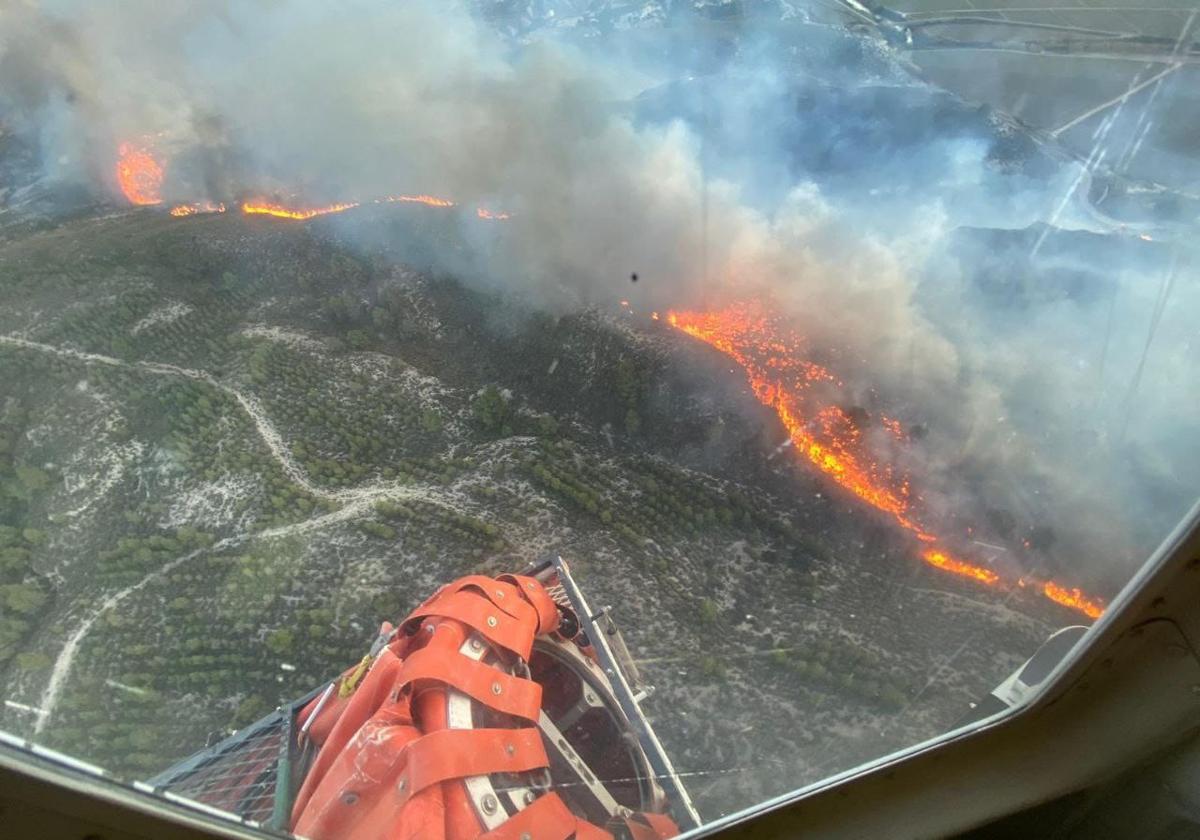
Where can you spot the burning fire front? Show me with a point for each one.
(772, 357)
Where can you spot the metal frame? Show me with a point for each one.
(683, 810)
(596, 693)
(49, 795)
(1128, 691)
(197, 761)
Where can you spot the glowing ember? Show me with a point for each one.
(804, 395)
(484, 213)
(139, 174)
(279, 211)
(195, 209)
(1072, 598)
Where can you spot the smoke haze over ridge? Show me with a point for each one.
(1021, 367)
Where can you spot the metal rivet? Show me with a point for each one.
(350, 797)
(400, 785)
(510, 749)
(525, 835)
(476, 644)
(491, 621)
(496, 688)
(499, 593)
(529, 797)
(489, 804)
(428, 628)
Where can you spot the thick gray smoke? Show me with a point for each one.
(1030, 406)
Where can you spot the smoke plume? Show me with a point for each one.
(895, 238)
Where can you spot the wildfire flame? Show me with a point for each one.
(942, 560)
(1072, 598)
(772, 359)
(427, 200)
(261, 207)
(781, 380)
(195, 209)
(139, 174)
(803, 395)
(281, 211)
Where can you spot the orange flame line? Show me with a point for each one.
(140, 176)
(268, 208)
(1072, 598)
(830, 440)
(195, 209)
(428, 200)
(942, 560)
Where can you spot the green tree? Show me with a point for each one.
(633, 423)
(431, 421)
(14, 562)
(358, 339)
(547, 426)
(33, 661)
(22, 598)
(492, 410)
(281, 641)
(249, 710)
(32, 480)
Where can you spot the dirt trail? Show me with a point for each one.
(353, 502)
(266, 430)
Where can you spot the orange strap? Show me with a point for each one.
(480, 614)
(546, 819)
(489, 686)
(454, 753)
(504, 594)
(531, 590)
(587, 831)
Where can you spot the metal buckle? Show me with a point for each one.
(540, 780)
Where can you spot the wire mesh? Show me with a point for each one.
(237, 775)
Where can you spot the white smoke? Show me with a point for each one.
(371, 97)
